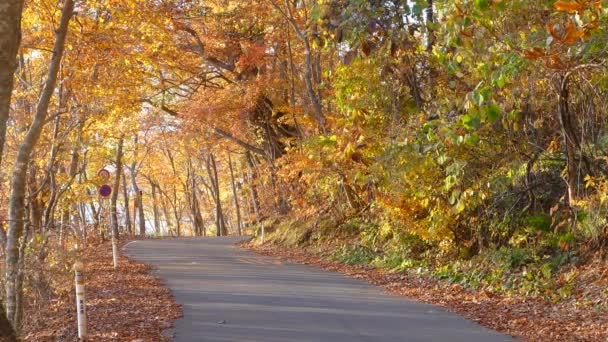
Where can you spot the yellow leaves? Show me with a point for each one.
(553, 146)
(589, 182)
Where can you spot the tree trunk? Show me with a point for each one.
(166, 214)
(220, 225)
(254, 191)
(178, 226)
(20, 276)
(135, 205)
(83, 222)
(571, 141)
(10, 38)
(237, 208)
(36, 205)
(430, 38)
(115, 189)
(155, 210)
(309, 71)
(18, 179)
(197, 219)
(49, 210)
(139, 201)
(125, 194)
(65, 219)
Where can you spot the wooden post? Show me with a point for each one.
(80, 301)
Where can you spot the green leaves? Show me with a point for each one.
(474, 119)
(482, 5)
(492, 113)
(471, 120)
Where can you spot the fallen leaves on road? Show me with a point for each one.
(123, 305)
(530, 319)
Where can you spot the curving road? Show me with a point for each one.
(230, 294)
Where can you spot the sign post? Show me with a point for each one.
(105, 191)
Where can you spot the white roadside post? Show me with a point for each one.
(81, 313)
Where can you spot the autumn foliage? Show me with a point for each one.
(464, 140)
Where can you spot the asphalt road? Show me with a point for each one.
(230, 294)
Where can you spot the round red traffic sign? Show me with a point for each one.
(103, 173)
(105, 190)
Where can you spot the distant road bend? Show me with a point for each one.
(230, 294)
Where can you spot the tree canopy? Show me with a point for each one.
(432, 131)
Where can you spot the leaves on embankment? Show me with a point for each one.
(123, 305)
(529, 319)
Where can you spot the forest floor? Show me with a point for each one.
(129, 304)
(579, 318)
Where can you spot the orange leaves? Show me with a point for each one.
(569, 35)
(571, 6)
(566, 35)
(253, 56)
(535, 53)
(552, 61)
(577, 6)
(562, 35)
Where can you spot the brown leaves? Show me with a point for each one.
(552, 61)
(121, 306)
(528, 319)
(535, 53)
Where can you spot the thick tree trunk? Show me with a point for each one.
(18, 179)
(20, 276)
(125, 194)
(572, 143)
(235, 195)
(10, 38)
